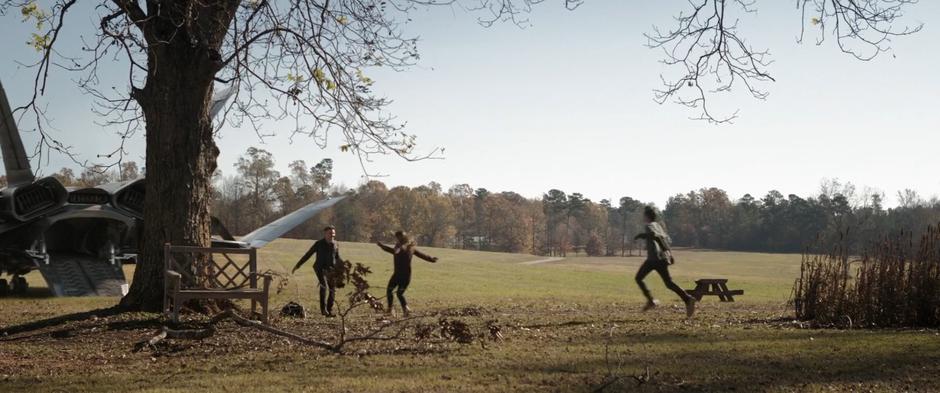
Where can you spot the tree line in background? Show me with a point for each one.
(559, 223)
(458, 217)
(556, 224)
(94, 176)
(839, 214)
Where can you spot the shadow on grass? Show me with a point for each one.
(692, 369)
(729, 370)
(576, 323)
(31, 293)
(69, 332)
(59, 320)
(770, 360)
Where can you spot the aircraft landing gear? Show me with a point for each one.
(20, 286)
(4, 287)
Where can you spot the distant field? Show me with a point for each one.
(570, 325)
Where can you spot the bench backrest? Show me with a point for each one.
(213, 268)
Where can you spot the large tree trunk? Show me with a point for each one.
(181, 157)
(184, 38)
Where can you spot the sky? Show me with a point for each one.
(567, 103)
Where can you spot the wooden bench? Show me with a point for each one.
(213, 273)
(714, 286)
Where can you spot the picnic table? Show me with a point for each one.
(714, 286)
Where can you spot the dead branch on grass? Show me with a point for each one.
(60, 320)
(388, 330)
(210, 330)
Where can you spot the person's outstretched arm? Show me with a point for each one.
(304, 258)
(386, 248)
(425, 257)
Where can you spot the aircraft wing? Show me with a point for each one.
(15, 159)
(219, 98)
(261, 236)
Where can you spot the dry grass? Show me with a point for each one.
(895, 284)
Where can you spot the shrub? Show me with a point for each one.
(594, 246)
(895, 283)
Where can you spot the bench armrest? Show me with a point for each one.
(266, 280)
(173, 280)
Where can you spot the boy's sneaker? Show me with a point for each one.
(650, 304)
(690, 307)
(406, 311)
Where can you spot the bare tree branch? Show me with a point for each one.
(711, 57)
(862, 28)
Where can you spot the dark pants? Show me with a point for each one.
(327, 288)
(398, 284)
(661, 267)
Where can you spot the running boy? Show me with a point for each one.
(658, 258)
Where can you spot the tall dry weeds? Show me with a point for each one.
(895, 283)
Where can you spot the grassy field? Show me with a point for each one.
(568, 325)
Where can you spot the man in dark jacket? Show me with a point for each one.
(402, 252)
(658, 258)
(327, 250)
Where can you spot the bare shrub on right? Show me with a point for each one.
(895, 283)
